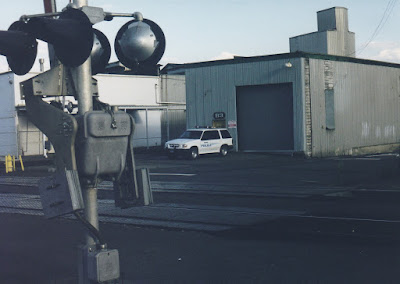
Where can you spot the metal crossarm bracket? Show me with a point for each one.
(55, 82)
(61, 194)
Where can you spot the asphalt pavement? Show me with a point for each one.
(245, 218)
(34, 250)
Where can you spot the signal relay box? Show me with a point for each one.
(103, 265)
(102, 143)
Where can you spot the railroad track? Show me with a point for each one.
(224, 220)
(207, 189)
(176, 216)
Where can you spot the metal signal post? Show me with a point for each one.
(85, 104)
(84, 93)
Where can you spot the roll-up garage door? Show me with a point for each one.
(265, 117)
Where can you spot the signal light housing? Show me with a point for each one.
(19, 47)
(101, 52)
(71, 35)
(139, 43)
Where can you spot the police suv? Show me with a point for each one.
(197, 141)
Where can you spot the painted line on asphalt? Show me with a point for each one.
(367, 159)
(172, 174)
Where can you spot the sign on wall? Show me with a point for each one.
(219, 115)
(232, 124)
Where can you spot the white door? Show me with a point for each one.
(210, 142)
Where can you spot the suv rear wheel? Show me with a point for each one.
(223, 151)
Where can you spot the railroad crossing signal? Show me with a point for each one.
(95, 144)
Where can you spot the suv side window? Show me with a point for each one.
(210, 135)
(225, 134)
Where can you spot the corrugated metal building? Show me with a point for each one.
(316, 104)
(321, 105)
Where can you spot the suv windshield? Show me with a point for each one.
(191, 134)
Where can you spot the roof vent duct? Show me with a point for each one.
(333, 36)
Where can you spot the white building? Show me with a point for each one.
(157, 104)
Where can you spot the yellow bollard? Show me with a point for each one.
(8, 163)
(7, 167)
(22, 164)
(13, 163)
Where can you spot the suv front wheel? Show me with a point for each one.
(194, 153)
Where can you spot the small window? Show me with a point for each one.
(330, 109)
(191, 135)
(210, 135)
(225, 134)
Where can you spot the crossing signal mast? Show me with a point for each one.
(96, 143)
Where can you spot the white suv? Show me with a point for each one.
(195, 142)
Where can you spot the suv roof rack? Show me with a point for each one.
(208, 127)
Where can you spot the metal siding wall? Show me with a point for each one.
(220, 82)
(334, 18)
(147, 127)
(328, 42)
(342, 19)
(29, 136)
(226, 90)
(367, 107)
(230, 97)
(350, 45)
(15, 81)
(209, 96)
(314, 43)
(126, 90)
(8, 127)
(200, 98)
(191, 101)
(326, 20)
(173, 117)
(341, 43)
(173, 89)
(173, 123)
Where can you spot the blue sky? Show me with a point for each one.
(207, 30)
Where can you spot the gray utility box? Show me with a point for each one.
(102, 143)
(103, 265)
